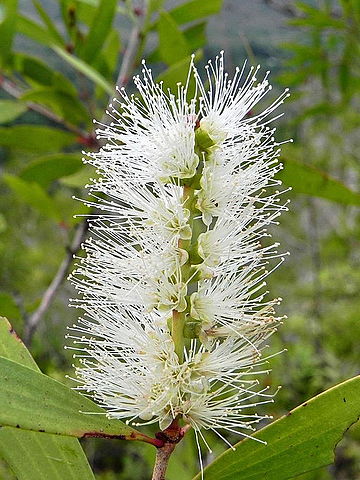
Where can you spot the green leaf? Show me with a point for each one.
(301, 441)
(46, 169)
(51, 27)
(34, 401)
(110, 52)
(303, 54)
(12, 347)
(345, 76)
(3, 223)
(8, 17)
(35, 138)
(8, 307)
(195, 37)
(73, 212)
(32, 68)
(65, 105)
(316, 18)
(34, 196)
(85, 69)
(42, 456)
(95, 3)
(107, 60)
(37, 456)
(80, 178)
(294, 78)
(85, 11)
(63, 84)
(307, 179)
(10, 110)
(33, 30)
(194, 10)
(38, 73)
(98, 30)
(172, 44)
(178, 72)
(322, 108)
(155, 5)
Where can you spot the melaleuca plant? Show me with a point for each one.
(173, 282)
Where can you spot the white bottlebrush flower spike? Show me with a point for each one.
(172, 285)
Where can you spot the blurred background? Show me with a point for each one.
(59, 62)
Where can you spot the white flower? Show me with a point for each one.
(172, 285)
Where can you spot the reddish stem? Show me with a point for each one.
(170, 437)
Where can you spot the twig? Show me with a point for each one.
(162, 460)
(128, 61)
(133, 436)
(13, 90)
(171, 436)
(59, 277)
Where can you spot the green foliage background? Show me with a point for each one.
(59, 61)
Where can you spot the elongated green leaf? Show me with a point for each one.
(10, 110)
(35, 138)
(99, 30)
(43, 456)
(93, 3)
(155, 5)
(80, 178)
(63, 84)
(32, 194)
(50, 25)
(3, 223)
(34, 69)
(33, 401)
(12, 347)
(194, 36)
(307, 179)
(64, 104)
(85, 69)
(48, 168)
(37, 456)
(8, 307)
(85, 11)
(316, 17)
(301, 441)
(8, 16)
(109, 55)
(36, 73)
(33, 30)
(173, 46)
(194, 10)
(178, 72)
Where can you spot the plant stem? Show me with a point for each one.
(202, 143)
(49, 294)
(177, 332)
(171, 436)
(133, 436)
(162, 460)
(15, 91)
(131, 52)
(178, 318)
